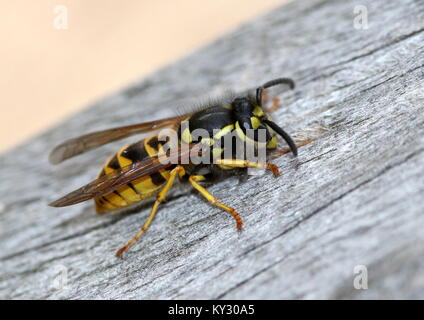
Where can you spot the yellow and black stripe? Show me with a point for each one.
(220, 123)
(138, 189)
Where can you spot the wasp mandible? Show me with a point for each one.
(137, 172)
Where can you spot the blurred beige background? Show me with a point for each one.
(48, 73)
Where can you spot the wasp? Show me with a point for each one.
(137, 171)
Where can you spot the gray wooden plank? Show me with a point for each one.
(353, 197)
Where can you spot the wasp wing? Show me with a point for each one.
(109, 182)
(76, 146)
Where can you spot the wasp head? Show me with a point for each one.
(250, 116)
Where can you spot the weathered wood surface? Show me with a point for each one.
(353, 197)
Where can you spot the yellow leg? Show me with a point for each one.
(160, 198)
(245, 164)
(193, 180)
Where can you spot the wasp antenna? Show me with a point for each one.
(284, 134)
(272, 83)
(259, 96)
(278, 81)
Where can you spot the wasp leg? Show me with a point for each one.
(194, 179)
(248, 164)
(159, 198)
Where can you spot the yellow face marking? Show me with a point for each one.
(258, 111)
(242, 136)
(255, 122)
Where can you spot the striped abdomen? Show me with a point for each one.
(138, 189)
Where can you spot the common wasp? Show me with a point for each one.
(139, 171)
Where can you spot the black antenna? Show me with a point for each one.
(272, 83)
(284, 134)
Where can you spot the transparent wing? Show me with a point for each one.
(109, 182)
(76, 146)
